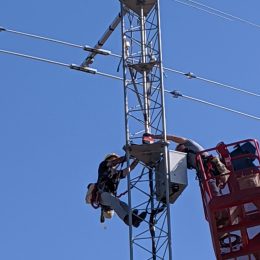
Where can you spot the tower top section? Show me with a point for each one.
(137, 5)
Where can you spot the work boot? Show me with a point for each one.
(126, 218)
(136, 219)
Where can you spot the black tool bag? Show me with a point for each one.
(245, 162)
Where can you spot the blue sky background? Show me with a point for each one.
(57, 124)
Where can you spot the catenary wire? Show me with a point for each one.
(93, 71)
(71, 66)
(201, 9)
(227, 14)
(33, 58)
(176, 94)
(214, 11)
(84, 47)
(188, 75)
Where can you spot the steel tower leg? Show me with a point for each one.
(145, 113)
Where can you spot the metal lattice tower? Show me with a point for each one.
(145, 113)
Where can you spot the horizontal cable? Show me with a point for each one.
(94, 71)
(216, 12)
(176, 94)
(83, 47)
(227, 14)
(71, 66)
(201, 9)
(190, 75)
(109, 76)
(34, 58)
(42, 38)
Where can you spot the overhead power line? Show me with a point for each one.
(177, 94)
(33, 58)
(189, 75)
(213, 11)
(70, 66)
(202, 9)
(94, 71)
(89, 70)
(83, 47)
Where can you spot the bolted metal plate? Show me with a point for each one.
(136, 5)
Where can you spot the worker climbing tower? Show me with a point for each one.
(231, 199)
(152, 186)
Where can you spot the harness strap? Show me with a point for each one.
(95, 198)
(121, 194)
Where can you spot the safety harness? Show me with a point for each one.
(108, 181)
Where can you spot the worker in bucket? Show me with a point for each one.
(192, 148)
(104, 193)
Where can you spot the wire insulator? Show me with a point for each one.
(97, 51)
(176, 94)
(190, 75)
(83, 69)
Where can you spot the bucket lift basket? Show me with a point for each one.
(234, 212)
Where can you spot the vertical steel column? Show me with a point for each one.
(143, 58)
(166, 152)
(127, 138)
(145, 113)
(152, 218)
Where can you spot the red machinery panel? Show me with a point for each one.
(232, 201)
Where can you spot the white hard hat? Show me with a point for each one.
(110, 155)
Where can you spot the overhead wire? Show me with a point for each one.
(40, 37)
(34, 58)
(94, 71)
(227, 14)
(201, 9)
(83, 47)
(215, 11)
(177, 94)
(189, 75)
(70, 66)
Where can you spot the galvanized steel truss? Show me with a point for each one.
(145, 113)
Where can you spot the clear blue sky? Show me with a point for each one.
(57, 124)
